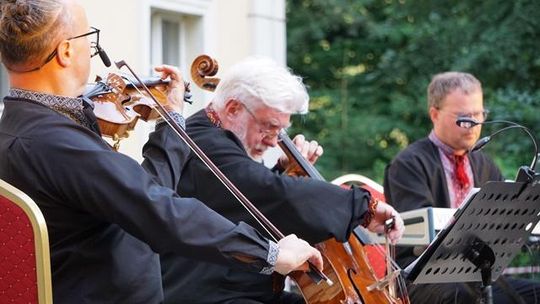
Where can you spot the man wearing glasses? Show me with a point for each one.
(438, 171)
(106, 216)
(252, 104)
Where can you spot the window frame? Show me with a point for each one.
(156, 36)
(4, 86)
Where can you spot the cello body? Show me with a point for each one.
(346, 264)
(350, 272)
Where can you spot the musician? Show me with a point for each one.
(252, 103)
(437, 171)
(105, 215)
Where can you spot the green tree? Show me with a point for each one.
(367, 64)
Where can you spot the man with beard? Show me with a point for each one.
(252, 103)
(438, 171)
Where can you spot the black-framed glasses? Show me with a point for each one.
(479, 116)
(93, 44)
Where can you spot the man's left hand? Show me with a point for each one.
(175, 89)
(310, 150)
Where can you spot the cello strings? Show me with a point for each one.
(388, 251)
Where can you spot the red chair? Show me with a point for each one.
(377, 191)
(375, 255)
(25, 267)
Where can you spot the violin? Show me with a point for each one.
(344, 263)
(119, 103)
(140, 100)
(114, 119)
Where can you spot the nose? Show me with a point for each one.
(270, 141)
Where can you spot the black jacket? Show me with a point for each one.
(106, 216)
(314, 210)
(415, 179)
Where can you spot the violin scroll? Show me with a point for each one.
(202, 67)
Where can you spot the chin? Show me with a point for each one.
(468, 147)
(80, 91)
(256, 157)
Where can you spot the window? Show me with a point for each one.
(168, 39)
(170, 36)
(176, 40)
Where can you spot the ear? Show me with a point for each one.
(232, 108)
(65, 53)
(433, 114)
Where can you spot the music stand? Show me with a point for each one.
(486, 233)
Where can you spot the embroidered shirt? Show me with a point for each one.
(72, 108)
(458, 186)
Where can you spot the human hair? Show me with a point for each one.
(259, 79)
(29, 29)
(445, 83)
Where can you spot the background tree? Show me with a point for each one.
(368, 63)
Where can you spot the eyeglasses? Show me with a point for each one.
(480, 116)
(93, 44)
(267, 129)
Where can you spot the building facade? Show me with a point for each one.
(146, 33)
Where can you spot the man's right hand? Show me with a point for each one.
(382, 213)
(294, 254)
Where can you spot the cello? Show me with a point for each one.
(347, 262)
(344, 263)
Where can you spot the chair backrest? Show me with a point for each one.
(376, 254)
(375, 188)
(25, 267)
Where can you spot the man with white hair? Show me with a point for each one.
(252, 104)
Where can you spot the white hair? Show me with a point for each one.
(259, 79)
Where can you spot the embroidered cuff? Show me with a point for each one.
(271, 259)
(370, 213)
(177, 117)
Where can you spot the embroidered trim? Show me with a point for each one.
(212, 115)
(177, 117)
(70, 107)
(370, 213)
(271, 259)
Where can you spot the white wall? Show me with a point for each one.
(228, 30)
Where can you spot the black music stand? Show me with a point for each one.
(486, 233)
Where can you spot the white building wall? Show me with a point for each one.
(228, 30)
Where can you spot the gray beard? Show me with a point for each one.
(240, 130)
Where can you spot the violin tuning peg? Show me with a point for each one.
(187, 97)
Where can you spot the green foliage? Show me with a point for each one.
(367, 64)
